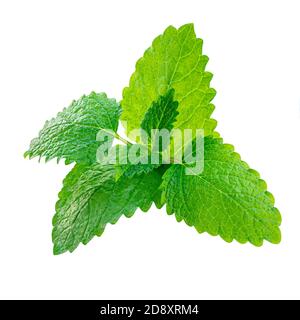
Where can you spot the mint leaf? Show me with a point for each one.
(228, 199)
(72, 134)
(169, 89)
(174, 60)
(91, 198)
(161, 114)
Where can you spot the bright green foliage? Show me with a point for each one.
(92, 198)
(72, 134)
(161, 115)
(174, 60)
(124, 167)
(227, 199)
(169, 89)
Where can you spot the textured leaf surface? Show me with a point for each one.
(228, 199)
(174, 60)
(91, 198)
(124, 166)
(161, 115)
(72, 134)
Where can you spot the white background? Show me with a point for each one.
(52, 52)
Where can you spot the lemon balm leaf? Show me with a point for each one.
(161, 114)
(72, 134)
(227, 199)
(170, 89)
(91, 198)
(174, 61)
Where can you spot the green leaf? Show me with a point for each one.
(124, 165)
(161, 114)
(227, 199)
(158, 196)
(72, 135)
(174, 60)
(170, 89)
(91, 198)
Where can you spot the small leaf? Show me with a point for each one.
(161, 115)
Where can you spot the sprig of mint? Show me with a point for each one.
(169, 89)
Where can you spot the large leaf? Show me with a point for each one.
(227, 199)
(174, 60)
(92, 198)
(72, 135)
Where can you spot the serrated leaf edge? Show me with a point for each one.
(263, 186)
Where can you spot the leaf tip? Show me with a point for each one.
(57, 250)
(26, 154)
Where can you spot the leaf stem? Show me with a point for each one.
(117, 136)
